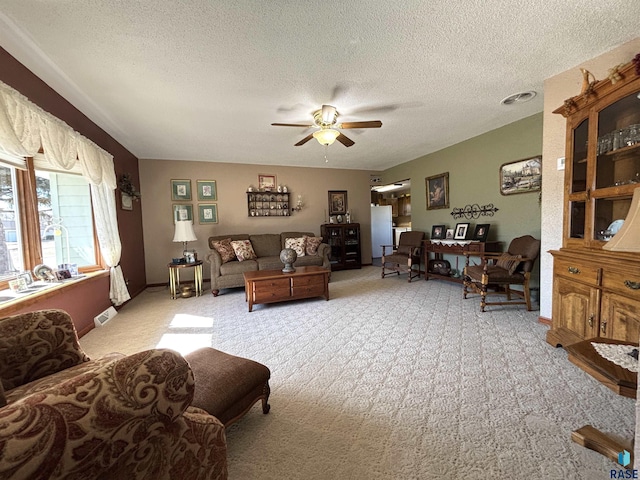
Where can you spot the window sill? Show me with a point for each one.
(18, 301)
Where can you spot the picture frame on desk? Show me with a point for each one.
(481, 232)
(461, 231)
(438, 232)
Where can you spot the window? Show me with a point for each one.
(45, 217)
(66, 222)
(11, 261)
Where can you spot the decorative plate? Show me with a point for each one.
(615, 226)
(42, 272)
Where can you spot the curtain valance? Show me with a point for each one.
(25, 127)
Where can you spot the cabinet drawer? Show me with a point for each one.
(576, 271)
(624, 283)
(308, 291)
(268, 285)
(273, 294)
(308, 280)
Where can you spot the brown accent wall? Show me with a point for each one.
(232, 181)
(16, 75)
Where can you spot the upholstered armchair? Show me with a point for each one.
(63, 415)
(501, 270)
(405, 257)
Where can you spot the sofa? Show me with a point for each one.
(63, 415)
(267, 248)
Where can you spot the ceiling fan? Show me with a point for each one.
(326, 119)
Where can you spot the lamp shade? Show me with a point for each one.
(628, 237)
(326, 136)
(184, 231)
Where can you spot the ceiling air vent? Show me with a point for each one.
(518, 98)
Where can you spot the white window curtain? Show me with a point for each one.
(25, 127)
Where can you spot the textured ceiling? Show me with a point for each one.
(203, 80)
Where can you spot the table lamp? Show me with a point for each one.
(184, 233)
(628, 237)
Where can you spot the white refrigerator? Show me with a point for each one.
(381, 229)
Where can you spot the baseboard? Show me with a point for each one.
(545, 321)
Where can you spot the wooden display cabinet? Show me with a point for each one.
(344, 244)
(596, 292)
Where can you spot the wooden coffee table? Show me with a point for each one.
(271, 286)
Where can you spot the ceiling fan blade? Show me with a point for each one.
(291, 125)
(328, 114)
(346, 141)
(369, 124)
(304, 140)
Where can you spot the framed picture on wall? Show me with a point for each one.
(182, 212)
(207, 213)
(266, 183)
(180, 190)
(521, 176)
(437, 191)
(207, 190)
(338, 202)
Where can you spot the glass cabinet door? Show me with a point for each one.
(617, 170)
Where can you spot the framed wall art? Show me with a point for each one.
(521, 176)
(437, 191)
(338, 202)
(207, 213)
(461, 231)
(180, 190)
(438, 232)
(126, 201)
(481, 232)
(207, 191)
(182, 212)
(267, 182)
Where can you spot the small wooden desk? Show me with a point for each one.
(270, 286)
(174, 277)
(622, 381)
(439, 249)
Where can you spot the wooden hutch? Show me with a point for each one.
(596, 292)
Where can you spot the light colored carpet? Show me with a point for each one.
(389, 380)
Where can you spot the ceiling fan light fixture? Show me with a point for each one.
(326, 136)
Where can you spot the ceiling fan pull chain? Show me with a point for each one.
(326, 149)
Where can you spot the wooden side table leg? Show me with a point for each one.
(593, 439)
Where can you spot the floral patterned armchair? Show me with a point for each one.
(63, 415)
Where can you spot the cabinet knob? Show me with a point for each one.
(632, 285)
(591, 317)
(574, 270)
(603, 327)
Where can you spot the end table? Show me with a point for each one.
(174, 277)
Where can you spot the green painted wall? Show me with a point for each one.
(473, 167)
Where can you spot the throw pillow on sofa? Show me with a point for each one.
(298, 244)
(312, 244)
(224, 248)
(243, 250)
